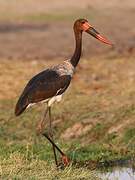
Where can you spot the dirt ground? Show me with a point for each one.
(43, 30)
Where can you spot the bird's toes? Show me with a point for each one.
(65, 160)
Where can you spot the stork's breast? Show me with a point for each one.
(66, 69)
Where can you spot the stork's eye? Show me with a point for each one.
(83, 22)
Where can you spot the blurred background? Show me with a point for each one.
(96, 119)
(42, 30)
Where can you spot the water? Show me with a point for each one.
(117, 170)
(119, 173)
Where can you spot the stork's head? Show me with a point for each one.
(83, 25)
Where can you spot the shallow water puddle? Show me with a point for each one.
(117, 169)
(118, 173)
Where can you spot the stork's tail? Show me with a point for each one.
(21, 105)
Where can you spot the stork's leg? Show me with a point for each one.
(65, 159)
(40, 131)
(51, 135)
(40, 125)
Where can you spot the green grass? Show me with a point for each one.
(129, 136)
(109, 117)
(19, 142)
(55, 16)
(59, 16)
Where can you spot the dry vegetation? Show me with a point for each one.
(18, 167)
(106, 83)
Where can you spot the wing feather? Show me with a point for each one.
(44, 85)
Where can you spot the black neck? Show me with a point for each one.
(78, 49)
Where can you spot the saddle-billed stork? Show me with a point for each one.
(49, 85)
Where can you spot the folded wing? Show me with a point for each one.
(44, 85)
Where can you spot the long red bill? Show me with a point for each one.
(103, 39)
(97, 35)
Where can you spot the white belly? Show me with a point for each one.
(49, 101)
(54, 99)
